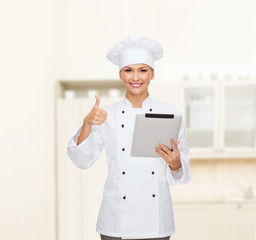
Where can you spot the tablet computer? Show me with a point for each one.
(151, 129)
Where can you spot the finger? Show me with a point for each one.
(99, 117)
(103, 118)
(97, 123)
(159, 151)
(174, 147)
(162, 153)
(164, 148)
(97, 103)
(104, 112)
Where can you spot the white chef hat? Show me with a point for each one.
(135, 49)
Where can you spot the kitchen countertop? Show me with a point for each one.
(214, 201)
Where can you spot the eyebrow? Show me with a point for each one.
(138, 68)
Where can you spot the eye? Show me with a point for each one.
(143, 70)
(127, 70)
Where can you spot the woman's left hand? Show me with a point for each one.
(172, 157)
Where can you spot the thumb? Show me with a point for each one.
(97, 103)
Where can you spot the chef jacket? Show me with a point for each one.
(136, 199)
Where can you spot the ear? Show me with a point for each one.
(152, 74)
(120, 76)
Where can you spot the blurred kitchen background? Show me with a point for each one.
(52, 56)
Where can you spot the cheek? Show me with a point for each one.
(126, 78)
(123, 76)
(146, 77)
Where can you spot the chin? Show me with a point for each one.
(137, 92)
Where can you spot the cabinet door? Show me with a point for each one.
(68, 175)
(200, 113)
(236, 222)
(194, 222)
(238, 116)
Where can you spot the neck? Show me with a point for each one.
(137, 100)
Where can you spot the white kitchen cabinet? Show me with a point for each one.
(194, 221)
(236, 221)
(215, 220)
(238, 116)
(200, 111)
(220, 119)
(69, 194)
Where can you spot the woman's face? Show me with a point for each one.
(136, 78)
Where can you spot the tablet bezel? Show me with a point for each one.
(164, 127)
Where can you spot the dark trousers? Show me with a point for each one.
(104, 237)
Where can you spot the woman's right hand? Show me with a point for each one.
(97, 115)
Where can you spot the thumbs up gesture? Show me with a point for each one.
(97, 115)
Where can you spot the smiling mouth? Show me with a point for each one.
(136, 85)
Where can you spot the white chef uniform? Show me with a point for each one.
(136, 198)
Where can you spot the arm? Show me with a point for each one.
(89, 149)
(181, 175)
(85, 145)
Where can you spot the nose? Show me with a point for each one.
(135, 78)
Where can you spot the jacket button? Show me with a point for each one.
(153, 195)
(124, 197)
(122, 111)
(123, 172)
(122, 125)
(150, 109)
(153, 172)
(123, 149)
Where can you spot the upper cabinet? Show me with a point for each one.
(238, 115)
(220, 118)
(200, 106)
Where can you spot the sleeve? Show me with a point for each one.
(182, 175)
(88, 151)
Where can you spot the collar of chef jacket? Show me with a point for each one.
(145, 103)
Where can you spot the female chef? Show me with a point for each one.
(136, 200)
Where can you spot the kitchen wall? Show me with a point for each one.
(198, 36)
(27, 155)
(218, 179)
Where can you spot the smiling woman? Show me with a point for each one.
(136, 78)
(136, 200)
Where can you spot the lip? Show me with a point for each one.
(140, 84)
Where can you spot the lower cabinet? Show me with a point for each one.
(236, 221)
(193, 221)
(215, 221)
